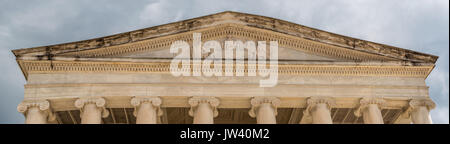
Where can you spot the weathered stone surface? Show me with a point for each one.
(261, 22)
(119, 69)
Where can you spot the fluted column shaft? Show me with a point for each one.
(419, 111)
(92, 110)
(36, 111)
(147, 110)
(203, 109)
(264, 109)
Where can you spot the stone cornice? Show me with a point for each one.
(248, 20)
(163, 67)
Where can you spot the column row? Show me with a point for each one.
(204, 109)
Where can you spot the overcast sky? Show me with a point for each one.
(420, 25)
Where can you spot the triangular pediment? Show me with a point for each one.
(296, 42)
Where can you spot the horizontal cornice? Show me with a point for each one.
(288, 69)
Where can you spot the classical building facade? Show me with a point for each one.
(323, 78)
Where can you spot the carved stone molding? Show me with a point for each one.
(364, 102)
(257, 101)
(43, 105)
(415, 103)
(99, 102)
(155, 101)
(313, 101)
(212, 101)
(288, 69)
(232, 31)
(429, 104)
(252, 21)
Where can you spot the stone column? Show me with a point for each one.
(146, 109)
(370, 108)
(319, 110)
(264, 109)
(92, 110)
(36, 111)
(419, 110)
(204, 109)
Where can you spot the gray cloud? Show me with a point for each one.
(420, 25)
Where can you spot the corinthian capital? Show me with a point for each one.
(256, 103)
(364, 102)
(155, 101)
(99, 102)
(43, 105)
(313, 101)
(212, 101)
